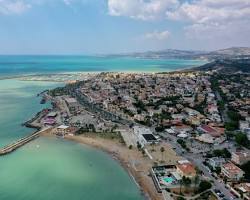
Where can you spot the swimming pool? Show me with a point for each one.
(168, 180)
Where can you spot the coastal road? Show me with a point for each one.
(197, 160)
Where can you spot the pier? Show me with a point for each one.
(16, 145)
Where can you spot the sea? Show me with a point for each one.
(50, 168)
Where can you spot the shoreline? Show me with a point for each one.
(21, 76)
(119, 153)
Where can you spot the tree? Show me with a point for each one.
(222, 153)
(159, 128)
(186, 181)
(139, 145)
(153, 146)
(143, 152)
(204, 185)
(130, 147)
(242, 140)
(246, 168)
(196, 181)
(162, 151)
(181, 184)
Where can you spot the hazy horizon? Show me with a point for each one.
(118, 53)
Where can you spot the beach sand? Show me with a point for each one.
(137, 165)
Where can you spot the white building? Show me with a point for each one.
(61, 130)
(216, 162)
(144, 135)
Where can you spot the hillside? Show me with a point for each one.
(234, 52)
(227, 66)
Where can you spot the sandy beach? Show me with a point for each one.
(132, 160)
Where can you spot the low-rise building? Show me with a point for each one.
(216, 162)
(240, 157)
(186, 169)
(206, 138)
(231, 171)
(72, 104)
(244, 190)
(209, 130)
(144, 135)
(181, 129)
(63, 130)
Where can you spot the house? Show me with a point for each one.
(231, 171)
(206, 138)
(216, 162)
(181, 129)
(63, 130)
(185, 168)
(72, 104)
(244, 126)
(209, 130)
(212, 109)
(244, 189)
(194, 121)
(179, 116)
(240, 157)
(192, 112)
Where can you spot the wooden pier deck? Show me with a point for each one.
(17, 144)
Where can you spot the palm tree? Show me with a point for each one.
(181, 183)
(186, 181)
(196, 181)
(153, 145)
(162, 151)
(143, 152)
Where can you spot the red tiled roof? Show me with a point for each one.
(187, 169)
(232, 168)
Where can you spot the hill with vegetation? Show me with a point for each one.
(227, 66)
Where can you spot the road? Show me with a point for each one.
(197, 159)
(224, 115)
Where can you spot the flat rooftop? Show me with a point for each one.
(149, 137)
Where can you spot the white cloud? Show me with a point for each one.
(213, 18)
(205, 11)
(141, 9)
(8, 7)
(157, 35)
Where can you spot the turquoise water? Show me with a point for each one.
(16, 65)
(51, 169)
(168, 179)
(18, 103)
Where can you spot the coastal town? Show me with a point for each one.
(181, 135)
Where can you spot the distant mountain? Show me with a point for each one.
(168, 53)
(163, 54)
(234, 52)
(227, 66)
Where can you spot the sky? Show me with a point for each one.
(119, 26)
